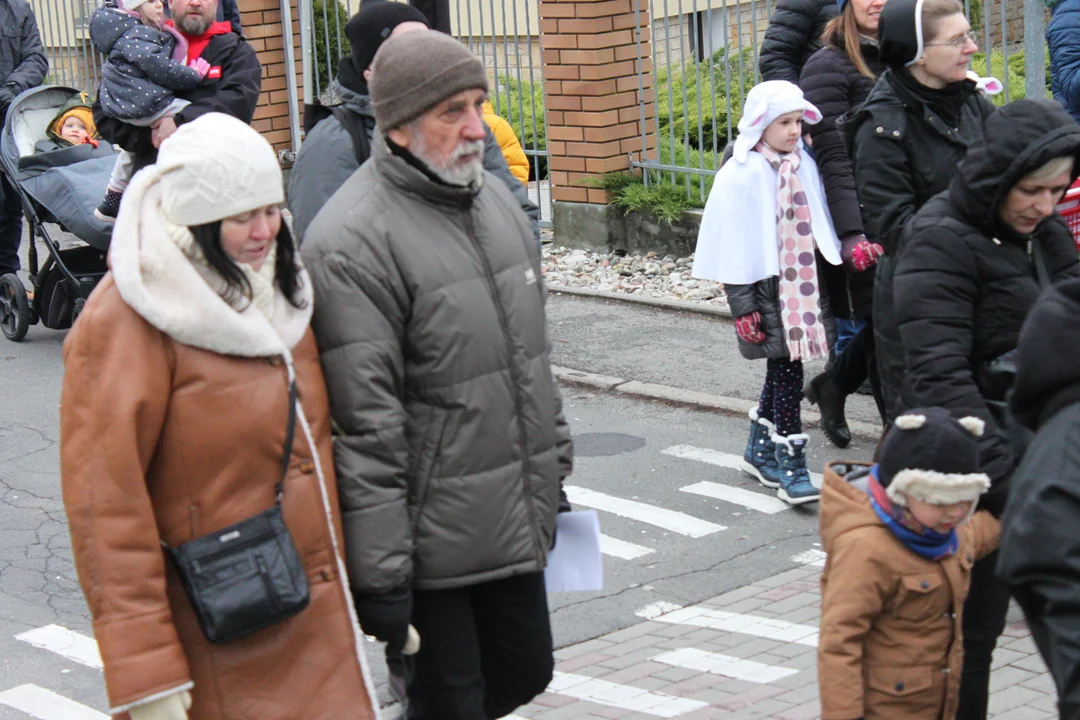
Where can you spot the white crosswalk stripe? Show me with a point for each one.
(720, 459)
(768, 628)
(47, 705)
(64, 642)
(747, 498)
(671, 520)
(622, 549)
(816, 558)
(726, 665)
(625, 697)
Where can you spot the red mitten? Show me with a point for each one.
(748, 327)
(859, 254)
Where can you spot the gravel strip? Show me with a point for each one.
(649, 275)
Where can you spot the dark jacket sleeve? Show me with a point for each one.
(32, 66)
(359, 321)
(1039, 551)
(824, 85)
(935, 290)
(237, 93)
(786, 39)
(886, 183)
(325, 162)
(156, 61)
(741, 299)
(495, 163)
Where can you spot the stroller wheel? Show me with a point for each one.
(14, 308)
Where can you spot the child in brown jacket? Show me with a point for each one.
(899, 550)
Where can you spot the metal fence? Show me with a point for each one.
(65, 34)
(505, 34)
(704, 55)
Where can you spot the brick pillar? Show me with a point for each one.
(591, 88)
(262, 27)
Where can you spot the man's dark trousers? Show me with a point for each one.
(485, 649)
(10, 226)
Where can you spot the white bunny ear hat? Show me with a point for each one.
(764, 103)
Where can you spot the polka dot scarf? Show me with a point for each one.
(800, 301)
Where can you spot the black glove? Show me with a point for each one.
(563, 506)
(386, 616)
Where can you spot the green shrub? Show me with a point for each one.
(521, 103)
(679, 89)
(1014, 79)
(663, 199)
(326, 30)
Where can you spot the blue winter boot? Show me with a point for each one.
(795, 485)
(759, 460)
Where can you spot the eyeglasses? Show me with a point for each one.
(959, 42)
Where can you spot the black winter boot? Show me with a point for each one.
(826, 394)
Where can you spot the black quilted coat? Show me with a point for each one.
(832, 83)
(764, 297)
(903, 154)
(965, 281)
(793, 35)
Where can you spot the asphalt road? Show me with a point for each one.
(627, 450)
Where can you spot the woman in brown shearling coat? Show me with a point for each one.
(899, 556)
(173, 423)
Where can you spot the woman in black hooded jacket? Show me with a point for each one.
(906, 141)
(836, 79)
(973, 262)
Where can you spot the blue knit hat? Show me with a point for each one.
(840, 4)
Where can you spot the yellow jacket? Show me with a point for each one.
(508, 142)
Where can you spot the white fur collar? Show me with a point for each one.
(161, 284)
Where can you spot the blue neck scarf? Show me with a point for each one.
(928, 544)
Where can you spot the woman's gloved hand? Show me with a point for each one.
(748, 327)
(172, 707)
(859, 254)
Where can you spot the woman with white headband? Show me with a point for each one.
(907, 139)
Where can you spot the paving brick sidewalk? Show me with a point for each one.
(750, 653)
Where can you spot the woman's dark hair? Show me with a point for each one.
(842, 33)
(286, 273)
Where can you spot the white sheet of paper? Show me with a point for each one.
(575, 565)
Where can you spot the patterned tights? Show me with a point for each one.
(782, 394)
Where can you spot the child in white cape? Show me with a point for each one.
(766, 226)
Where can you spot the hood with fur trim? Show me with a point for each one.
(160, 283)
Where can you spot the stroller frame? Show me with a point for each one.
(20, 309)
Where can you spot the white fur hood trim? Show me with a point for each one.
(936, 488)
(160, 283)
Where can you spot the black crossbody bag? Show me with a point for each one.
(246, 576)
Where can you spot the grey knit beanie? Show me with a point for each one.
(413, 72)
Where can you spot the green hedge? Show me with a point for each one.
(324, 26)
(1016, 74)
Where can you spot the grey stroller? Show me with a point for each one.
(60, 187)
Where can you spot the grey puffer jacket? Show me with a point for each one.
(140, 76)
(22, 59)
(764, 297)
(450, 438)
(326, 160)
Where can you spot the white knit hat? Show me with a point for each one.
(215, 167)
(130, 4)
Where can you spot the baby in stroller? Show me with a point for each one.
(146, 62)
(73, 125)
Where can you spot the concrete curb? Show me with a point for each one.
(647, 301)
(692, 398)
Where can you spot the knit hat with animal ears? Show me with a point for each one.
(764, 103)
(931, 456)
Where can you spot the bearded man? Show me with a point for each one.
(232, 86)
(450, 439)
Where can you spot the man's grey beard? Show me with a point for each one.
(195, 24)
(451, 172)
